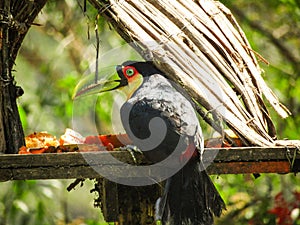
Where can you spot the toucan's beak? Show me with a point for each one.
(89, 85)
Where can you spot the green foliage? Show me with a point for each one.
(270, 28)
(249, 200)
(27, 202)
(48, 203)
(57, 54)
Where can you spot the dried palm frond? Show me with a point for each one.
(199, 45)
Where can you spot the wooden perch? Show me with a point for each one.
(74, 165)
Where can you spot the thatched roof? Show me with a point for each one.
(200, 45)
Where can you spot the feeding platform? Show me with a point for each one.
(130, 204)
(235, 160)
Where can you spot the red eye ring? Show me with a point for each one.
(129, 71)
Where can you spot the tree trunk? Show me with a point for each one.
(16, 17)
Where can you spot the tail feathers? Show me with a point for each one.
(190, 198)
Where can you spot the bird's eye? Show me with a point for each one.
(129, 72)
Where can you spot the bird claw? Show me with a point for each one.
(132, 149)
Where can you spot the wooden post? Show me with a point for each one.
(109, 204)
(128, 204)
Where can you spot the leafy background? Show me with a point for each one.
(55, 55)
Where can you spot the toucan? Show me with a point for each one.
(158, 109)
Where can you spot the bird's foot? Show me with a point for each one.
(132, 149)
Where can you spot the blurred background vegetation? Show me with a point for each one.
(54, 57)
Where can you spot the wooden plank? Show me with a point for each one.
(250, 167)
(76, 159)
(109, 203)
(82, 164)
(62, 159)
(137, 204)
(253, 153)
